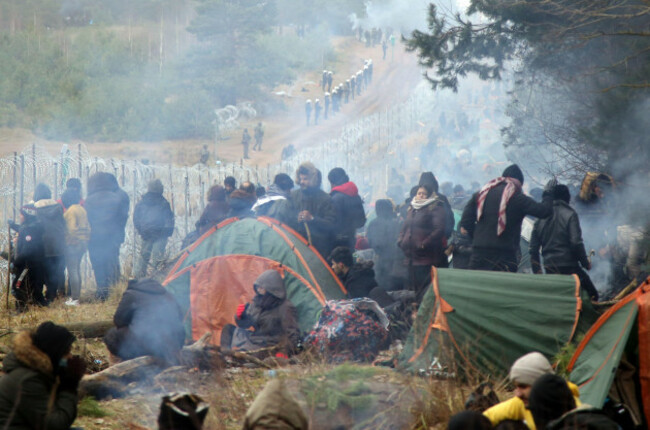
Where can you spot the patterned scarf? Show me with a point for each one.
(512, 186)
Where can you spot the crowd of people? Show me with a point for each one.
(341, 94)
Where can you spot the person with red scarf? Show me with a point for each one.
(493, 218)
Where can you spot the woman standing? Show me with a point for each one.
(422, 238)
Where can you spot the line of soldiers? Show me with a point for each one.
(341, 94)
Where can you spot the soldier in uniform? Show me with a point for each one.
(324, 84)
(204, 155)
(353, 82)
(329, 81)
(334, 102)
(317, 109)
(359, 82)
(370, 70)
(246, 140)
(346, 91)
(308, 110)
(259, 135)
(327, 105)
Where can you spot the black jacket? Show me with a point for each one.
(359, 280)
(350, 214)
(382, 234)
(50, 214)
(321, 228)
(153, 217)
(153, 318)
(107, 206)
(484, 232)
(30, 252)
(560, 238)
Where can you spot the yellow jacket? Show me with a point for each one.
(514, 409)
(77, 226)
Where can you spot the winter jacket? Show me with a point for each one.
(382, 234)
(514, 409)
(107, 206)
(484, 232)
(560, 238)
(422, 237)
(321, 228)
(350, 214)
(274, 325)
(151, 322)
(50, 214)
(28, 387)
(274, 204)
(359, 280)
(153, 217)
(30, 251)
(584, 417)
(215, 212)
(77, 226)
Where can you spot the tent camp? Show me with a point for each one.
(217, 272)
(475, 320)
(613, 359)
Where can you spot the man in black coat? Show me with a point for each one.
(560, 238)
(350, 214)
(312, 212)
(107, 206)
(493, 218)
(382, 234)
(154, 221)
(148, 321)
(357, 278)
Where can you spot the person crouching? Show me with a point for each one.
(270, 314)
(148, 321)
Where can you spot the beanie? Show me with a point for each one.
(155, 187)
(513, 171)
(337, 176)
(428, 179)
(550, 398)
(54, 340)
(526, 369)
(561, 192)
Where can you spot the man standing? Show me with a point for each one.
(205, 155)
(560, 238)
(259, 135)
(317, 109)
(493, 218)
(358, 279)
(350, 214)
(308, 110)
(246, 140)
(313, 213)
(327, 105)
(107, 206)
(154, 221)
(330, 78)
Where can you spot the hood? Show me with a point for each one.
(102, 181)
(49, 209)
(273, 283)
(26, 354)
(147, 285)
(314, 175)
(349, 189)
(240, 200)
(152, 197)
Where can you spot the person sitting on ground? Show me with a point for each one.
(357, 278)
(39, 387)
(275, 203)
(271, 315)
(560, 238)
(148, 321)
(523, 373)
(553, 407)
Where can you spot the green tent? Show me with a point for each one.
(614, 356)
(217, 272)
(473, 320)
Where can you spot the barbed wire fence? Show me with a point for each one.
(367, 149)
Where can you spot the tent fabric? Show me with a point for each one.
(217, 272)
(595, 361)
(484, 321)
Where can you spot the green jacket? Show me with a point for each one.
(29, 395)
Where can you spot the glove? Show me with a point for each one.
(72, 373)
(240, 311)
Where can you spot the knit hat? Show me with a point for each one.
(526, 369)
(550, 398)
(513, 171)
(337, 176)
(54, 340)
(155, 187)
(428, 179)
